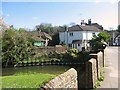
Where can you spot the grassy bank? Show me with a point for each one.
(26, 80)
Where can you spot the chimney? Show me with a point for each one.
(89, 22)
(82, 22)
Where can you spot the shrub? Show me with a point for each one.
(16, 46)
(99, 41)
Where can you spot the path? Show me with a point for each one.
(111, 69)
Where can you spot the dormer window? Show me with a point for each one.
(71, 33)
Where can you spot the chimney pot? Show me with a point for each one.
(89, 22)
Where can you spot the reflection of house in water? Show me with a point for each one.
(78, 36)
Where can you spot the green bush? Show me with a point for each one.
(99, 41)
(16, 46)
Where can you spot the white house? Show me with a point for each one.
(78, 36)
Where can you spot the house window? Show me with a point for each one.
(70, 45)
(71, 33)
(78, 44)
(93, 34)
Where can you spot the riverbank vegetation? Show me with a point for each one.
(17, 46)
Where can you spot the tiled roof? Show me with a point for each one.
(47, 35)
(96, 25)
(90, 28)
(117, 36)
(75, 28)
(40, 36)
(83, 28)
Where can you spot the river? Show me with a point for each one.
(50, 69)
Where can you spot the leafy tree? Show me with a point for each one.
(99, 41)
(55, 40)
(44, 27)
(15, 47)
(103, 36)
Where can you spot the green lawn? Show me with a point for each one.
(26, 80)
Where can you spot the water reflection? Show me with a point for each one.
(54, 69)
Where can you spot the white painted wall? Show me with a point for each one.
(77, 35)
(63, 37)
(87, 35)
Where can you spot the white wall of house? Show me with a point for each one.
(77, 35)
(87, 35)
(68, 37)
(79, 47)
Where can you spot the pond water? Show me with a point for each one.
(51, 69)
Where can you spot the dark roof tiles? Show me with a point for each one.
(83, 28)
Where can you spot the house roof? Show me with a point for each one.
(39, 39)
(96, 25)
(90, 28)
(40, 36)
(47, 36)
(77, 41)
(84, 28)
(113, 33)
(117, 36)
(75, 28)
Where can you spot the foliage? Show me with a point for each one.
(103, 36)
(83, 56)
(71, 55)
(48, 28)
(73, 52)
(98, 82)
(24, 80)
(99, 41)
(16, 46)
(55, 40)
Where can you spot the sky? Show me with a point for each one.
(29, 14)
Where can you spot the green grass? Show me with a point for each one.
(26, 80)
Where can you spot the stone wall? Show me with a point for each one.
(91, 73)
(93, 67)
(104, 56)
(99, 61)
(44, 50)
(65, 80)
(70, 78)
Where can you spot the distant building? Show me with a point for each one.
(78, 36)
(114, 38)
(117, 40)
(41, 38)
